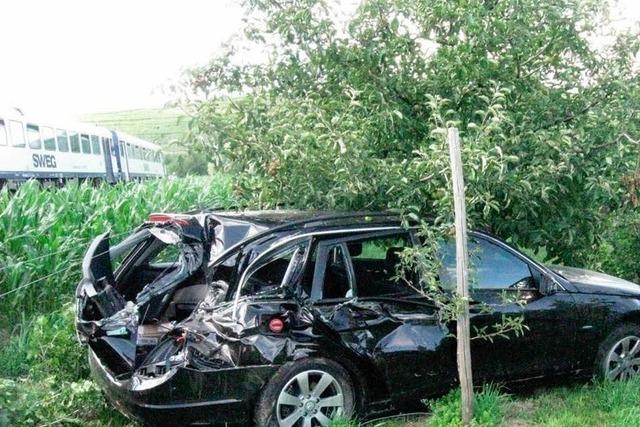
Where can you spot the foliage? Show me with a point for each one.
(43, 370)
(45, 346)
(620, 244)
(348, 112)
(188, 163)
(50, 401)
(489, 406)
(44, 234)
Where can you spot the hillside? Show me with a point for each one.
(163, 126)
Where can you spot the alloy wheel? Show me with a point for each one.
(310, 399)
(623, 360)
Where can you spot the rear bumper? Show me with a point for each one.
(186, 396)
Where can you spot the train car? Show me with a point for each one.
(55, 152)
(140, 159)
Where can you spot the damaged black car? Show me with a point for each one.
(281, 318)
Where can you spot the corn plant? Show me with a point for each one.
(44, 233)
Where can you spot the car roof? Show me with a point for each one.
(283, 219)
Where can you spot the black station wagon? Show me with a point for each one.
(284, 318)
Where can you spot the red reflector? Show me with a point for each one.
(276, 325)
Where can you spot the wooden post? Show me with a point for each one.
(462, 287)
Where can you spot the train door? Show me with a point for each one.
(108, 164)
(118, 156)
(126, 154)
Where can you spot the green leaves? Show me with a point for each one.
(350, 113)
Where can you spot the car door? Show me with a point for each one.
(380, 318)
(505, 284)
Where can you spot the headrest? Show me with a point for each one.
(355, 248)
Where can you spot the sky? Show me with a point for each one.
(72, 57)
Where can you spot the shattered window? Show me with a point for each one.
(169, 255)
(276, 272)
(374, 264)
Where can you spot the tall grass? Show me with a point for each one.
(44, 233)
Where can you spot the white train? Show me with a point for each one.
(54, 152)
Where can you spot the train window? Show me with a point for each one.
(113, 147)
(63, 140)
(33, 136)
(3, 133)
(17, 133)
(95, 145)
(48, 138)
(86, 144)
(74, 141)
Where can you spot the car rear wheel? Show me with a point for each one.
(619, 354)
(306, 393)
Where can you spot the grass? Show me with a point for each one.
(597, 404)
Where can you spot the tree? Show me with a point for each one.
(357, 106)
(350, 112)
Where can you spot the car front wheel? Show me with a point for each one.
(619, 354)
(306, 393)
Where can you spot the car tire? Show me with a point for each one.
(619, 354)
(282, 399)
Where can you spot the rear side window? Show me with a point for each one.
(3, 133)
(17, 133)
(63, 140)
(48, 138)
(375, 261)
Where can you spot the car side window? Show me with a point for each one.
(491, 266)
(375, 261)
(336, 279)
(276, 271)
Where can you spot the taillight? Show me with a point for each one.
(164, 218)
(276, 325)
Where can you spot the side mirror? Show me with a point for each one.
(548, 286)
